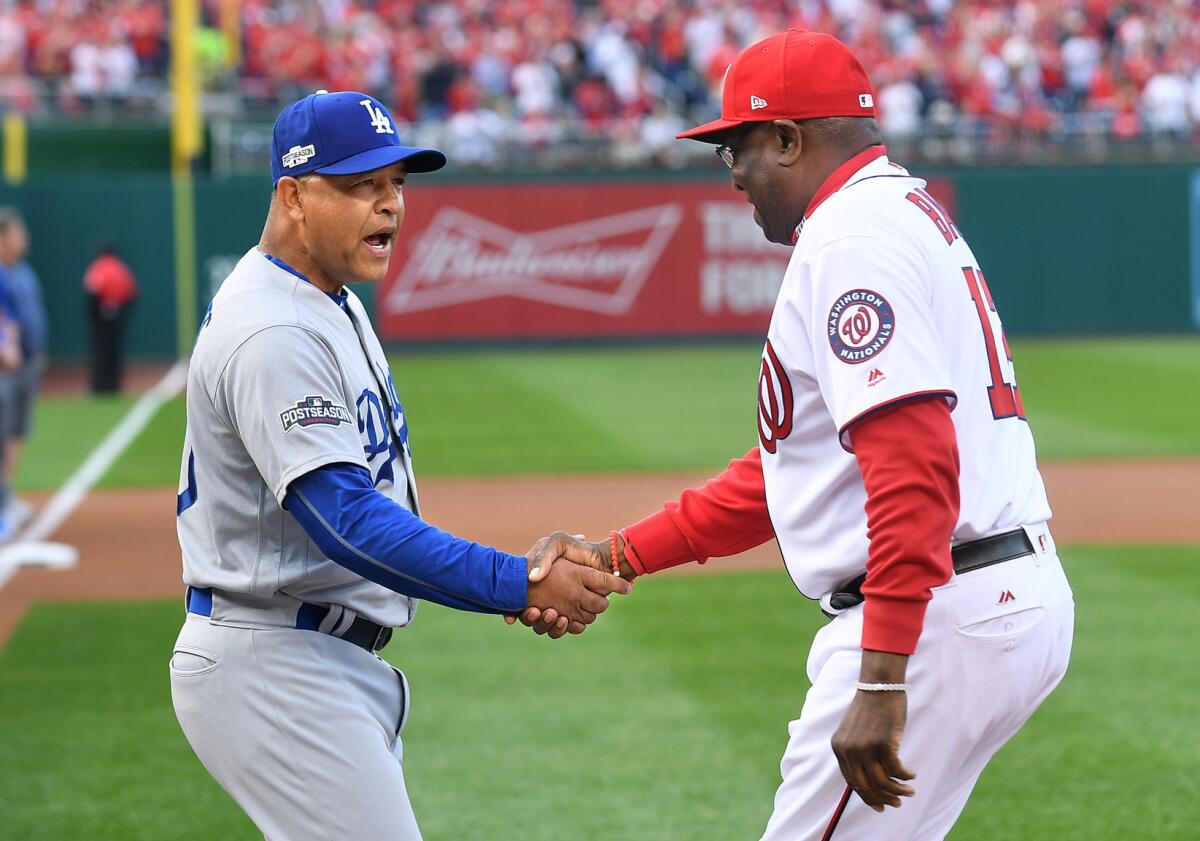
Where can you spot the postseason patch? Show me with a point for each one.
(314, 411)
(861, 324)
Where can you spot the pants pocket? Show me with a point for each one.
(189, 661)
(405, 702)
(1004, 623)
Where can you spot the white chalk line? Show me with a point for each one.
(29, 546)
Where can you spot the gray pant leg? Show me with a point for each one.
(300, 728)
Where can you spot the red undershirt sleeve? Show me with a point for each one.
(908, 455)
(725, 516)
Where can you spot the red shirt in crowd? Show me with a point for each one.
(111, 281)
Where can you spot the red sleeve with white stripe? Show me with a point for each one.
(908, 455)
(725, 516)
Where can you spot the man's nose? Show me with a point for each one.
(389, 201)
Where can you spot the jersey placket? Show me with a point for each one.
(409, 489)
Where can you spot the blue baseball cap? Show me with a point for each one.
(341, 133)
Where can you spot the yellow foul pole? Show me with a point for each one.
(16, 155)
(187, 138)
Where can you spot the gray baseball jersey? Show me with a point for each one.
(284, 378)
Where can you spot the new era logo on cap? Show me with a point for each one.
(757, 102)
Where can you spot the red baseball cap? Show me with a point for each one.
(795, 75)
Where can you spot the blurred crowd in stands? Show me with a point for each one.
(489, 72)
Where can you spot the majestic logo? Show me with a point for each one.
(865, 100)
(1006, 596)
(775, 402)
(860, 325)
(757, 102)
(314, 411)
(875, 377)
(298, 155)
(379, 120)
(599, 265)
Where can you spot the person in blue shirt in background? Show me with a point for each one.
(22, 382)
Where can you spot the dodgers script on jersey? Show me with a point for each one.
(883, 301)
(283, 379)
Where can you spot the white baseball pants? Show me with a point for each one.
(299, 727)
(996, 641)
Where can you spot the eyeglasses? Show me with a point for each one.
(725, 153)
(736, 138)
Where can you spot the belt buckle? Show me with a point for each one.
(382, 638)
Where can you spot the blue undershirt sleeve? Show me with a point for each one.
(369, 534)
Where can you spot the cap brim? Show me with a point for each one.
(708, 133)
(415, 159)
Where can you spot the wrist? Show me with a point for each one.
(616, 550)
(883, 667)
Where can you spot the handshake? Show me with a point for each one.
(569, 583)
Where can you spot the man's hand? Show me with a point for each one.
(562, 546)
(576, 594)
(10, 345)
(867, 743)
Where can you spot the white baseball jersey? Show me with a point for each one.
(283, 380)
(883, 301)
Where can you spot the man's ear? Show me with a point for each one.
(287, 193)
(789, 140)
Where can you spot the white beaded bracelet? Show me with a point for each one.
(882, 687)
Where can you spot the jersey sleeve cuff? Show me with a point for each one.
(659, 544)
(280, 491)
(844, 433)
(892, 625)
(513, 584)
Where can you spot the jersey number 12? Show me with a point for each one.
(1004, 396)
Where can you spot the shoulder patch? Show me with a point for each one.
(860, 325)
(314, 410)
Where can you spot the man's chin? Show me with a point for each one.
(369, 273)
(762, 226)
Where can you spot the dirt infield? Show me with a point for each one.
(127, 546)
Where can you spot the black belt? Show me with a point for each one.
(974, 554)
(362, 632)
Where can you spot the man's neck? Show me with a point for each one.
(298, 259)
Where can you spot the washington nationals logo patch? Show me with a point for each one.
(861, 324)
(314, 411)
(775, 401)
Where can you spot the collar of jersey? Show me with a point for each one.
(338, 298)
(837, 179)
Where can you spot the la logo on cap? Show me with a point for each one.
(757, 102)
(379, 120)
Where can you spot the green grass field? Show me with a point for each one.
(666, 720)
(569, 411)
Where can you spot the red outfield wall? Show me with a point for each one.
(581, 260)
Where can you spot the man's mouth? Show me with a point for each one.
(380, 242)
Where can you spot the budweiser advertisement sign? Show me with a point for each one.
(531, 261)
